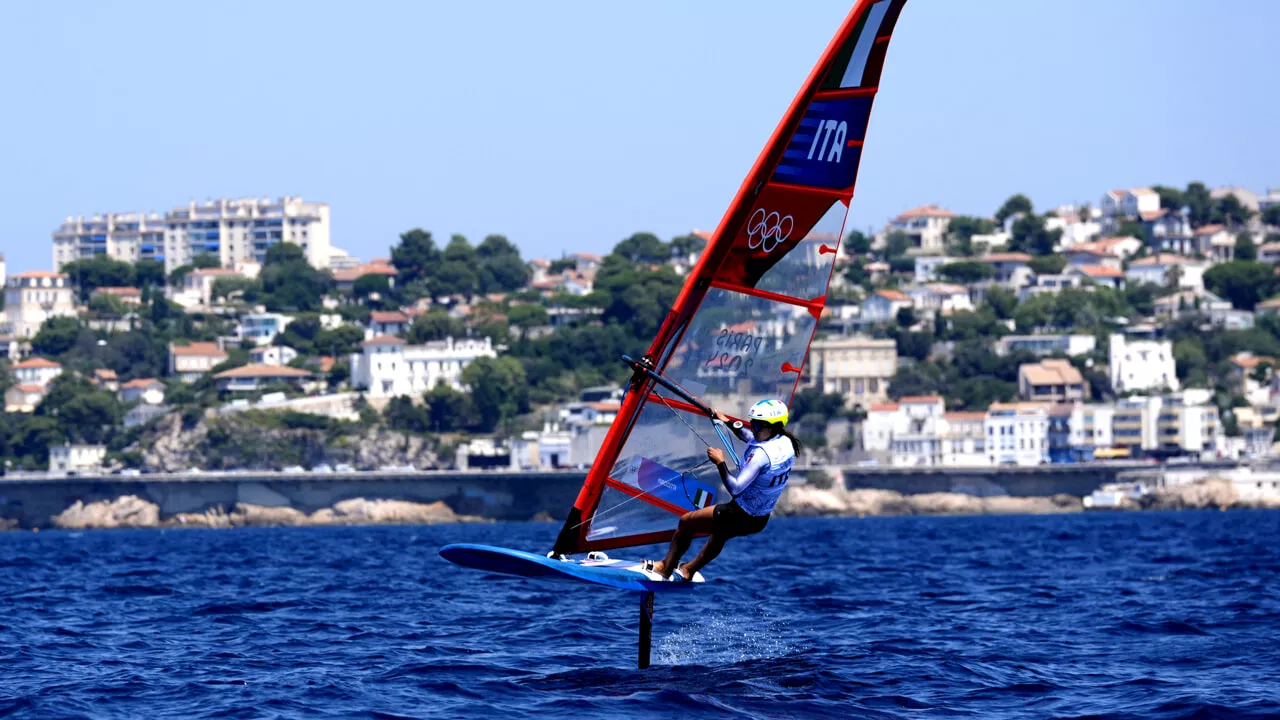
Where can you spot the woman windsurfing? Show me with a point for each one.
(766, 467)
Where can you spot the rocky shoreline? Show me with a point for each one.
(130, 511)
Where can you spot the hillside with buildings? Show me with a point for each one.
(1143, 327)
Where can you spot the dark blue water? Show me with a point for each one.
(1133, 615)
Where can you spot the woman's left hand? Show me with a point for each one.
(715, 455)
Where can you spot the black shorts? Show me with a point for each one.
(732, 521)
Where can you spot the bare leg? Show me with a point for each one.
(709, 552)
(692, 523)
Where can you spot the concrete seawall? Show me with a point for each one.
(32, 502)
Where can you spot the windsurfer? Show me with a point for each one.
(771, 451)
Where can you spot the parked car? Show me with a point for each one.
(293, 469)
(322, 468)
(343, 468)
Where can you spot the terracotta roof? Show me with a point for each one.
(613, 406)
(587, 256)
(33, 274)
(197, 348)
(704, 234)
(384, 340)
(1087, 249)
(214, 271)
(1209, 230)
(388, 316)
(104, 374)
(1019, 406)
(1099, 271)
(140, 384)
(1143, 191)
(119, 291)
(1269, 247)
(30, 389)
(1005, 257)
(878, 266)
(893, 295)
(965, 415)
(1105, 246)
(1051, 372)
(263, 371)
(1249, 362)
(326, 363)
(1270, 304)
(926, 211)
(35, 362)
(355, 273)
(920, 399)
(884, 407)
(540, 262)
(1153, 215)
(948, 289)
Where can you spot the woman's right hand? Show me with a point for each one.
(721, 416)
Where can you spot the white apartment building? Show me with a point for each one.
(927, 267)
(262, 327)
(36, 371)
(1159, 270)
(1017, 434)
(231, 229)
(964, 439)
(1138, 365)
(883, 421)
(1130, 203)
(857, 367)
(32, 297)
(75, 458)
(945, 298)
(1069, 345)
(197, 287)
(272, 355)
(387, 366)
(882, 306)
(189, 362)
(1175, 422)
(918, 439)
(926, 226)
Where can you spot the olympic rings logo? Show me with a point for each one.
(765, 226)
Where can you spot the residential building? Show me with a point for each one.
(926, 226)
(1129, 203)
(882, 306)
(32, 297)
(1087, 255)
(1190, 302)
(1017, 433)
(148, 391)
(340, 259)
(126, 295)
(1052, 380)
(1121, 248)
(262, 327)
(392, 322)
(387, 366)
(1215, 242)
(1011, 268)
(1250, 377)
(251, 378)
(105, 379)
(1139, 365)
(944, 298)
(68, 458)
(197, 287)
(346, 278)
(1168, 271)
(1269, 252)
(1188, 424)
(272, 355)
(1169, 231)
(22, 398)
(964, 439)
(857, 367)
(36, 371)
(1100, 275)
(927, 267)
(1069, 345)
(1268, 307)
(1248, 198)
(917, 441)
(1049, 285)
(143, 413)
(883, 421)
(191, 361)
(229, 229)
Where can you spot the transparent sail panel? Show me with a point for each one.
(739, 349)
(804, 271)
(622, 515)
(664, 444)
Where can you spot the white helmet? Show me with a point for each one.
(770, 411)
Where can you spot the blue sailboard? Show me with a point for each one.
(595, 569)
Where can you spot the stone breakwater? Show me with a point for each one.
(130, 511)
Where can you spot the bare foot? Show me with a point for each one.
(660, 567)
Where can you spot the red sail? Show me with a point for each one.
(741, 327)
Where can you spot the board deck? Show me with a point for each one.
(615, 573)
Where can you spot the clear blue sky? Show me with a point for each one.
(567, 126)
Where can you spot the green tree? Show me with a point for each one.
(98, 271)
(643, 248)
(501, 267)
(636, 296)
(499, 390)
(961, 230)
(906, 317)
(1048, 264)
(688, 245)
(415, 256)
(896, 244)
(457, 272)
(1231, 211)
(84, 414)
(1030, 235)
(148, 273)
(1002, 302)
(435, 325)
(1199, 204)
(1243, 283)
(448, 410)
(339, 342)
(371, 284)
(1016, 204)
(56, 336)
(1245, 249)
(1170, 198)
(235, 285)
(1271, 215)
(528, 315)
(859, 244)
(289, 283)
(966, 272)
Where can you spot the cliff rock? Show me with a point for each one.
(126, 511)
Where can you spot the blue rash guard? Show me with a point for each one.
(763, 475)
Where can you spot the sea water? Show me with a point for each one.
(1160, 615)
